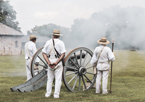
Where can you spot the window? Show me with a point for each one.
(16, 44)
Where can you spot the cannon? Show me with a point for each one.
(77, 72)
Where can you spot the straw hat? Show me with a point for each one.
(32, 37)
(56, 32)
(103, 41)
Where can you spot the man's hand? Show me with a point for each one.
(114, 53)
(54, 64)
(51, 65)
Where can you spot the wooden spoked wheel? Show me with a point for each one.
(42, 63)
(78, 73)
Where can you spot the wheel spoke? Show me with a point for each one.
(85, 59)
(88, 79)
(87, 62)
(42, 65)
(89, 67)
(42, 60)
(72, 78)
(80, 57)
(73, 63)
(90, 73)
(71, 68)
(79, 83)
(70, 73)
(76, 58)
(75, 82)
(84, 82)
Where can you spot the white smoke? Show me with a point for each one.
(125, 25)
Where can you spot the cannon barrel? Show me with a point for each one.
(73, 58)
(78, 56)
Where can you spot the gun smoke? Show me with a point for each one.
(125, 25)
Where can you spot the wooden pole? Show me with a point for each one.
(111, 66)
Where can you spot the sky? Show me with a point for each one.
(61, 12)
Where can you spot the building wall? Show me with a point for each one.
(10, 45)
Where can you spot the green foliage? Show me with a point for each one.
(46, 30)
(8, 15)
(128, 82)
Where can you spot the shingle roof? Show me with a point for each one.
(5, 30)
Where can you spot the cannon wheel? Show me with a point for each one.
(42, 63)
(78, 73)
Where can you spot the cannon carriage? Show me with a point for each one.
(77, 72)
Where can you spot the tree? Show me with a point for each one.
(47, 29)
(8, 15)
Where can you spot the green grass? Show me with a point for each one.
(12, 65)
(128, 82)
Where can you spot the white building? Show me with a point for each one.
(10, 41)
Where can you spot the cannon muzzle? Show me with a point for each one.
(78, 56)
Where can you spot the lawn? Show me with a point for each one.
(128, 81)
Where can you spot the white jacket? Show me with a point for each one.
(48, 49)
(105, 57)
(30, 50)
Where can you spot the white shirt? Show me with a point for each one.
(105, 57)
(59, 46)
(30, 50)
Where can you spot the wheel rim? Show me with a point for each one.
(78, 72)
(42, 62)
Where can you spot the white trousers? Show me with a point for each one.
(51, 74)
(104, 76)
(28, 70)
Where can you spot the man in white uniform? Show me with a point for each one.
(30, 49)
(55, 67)
(102, 64)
